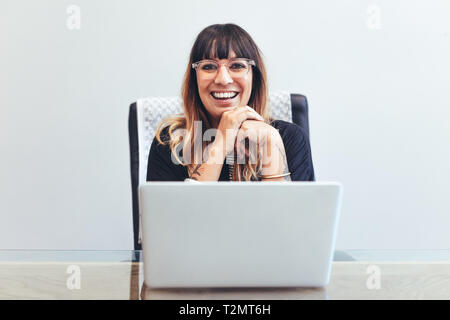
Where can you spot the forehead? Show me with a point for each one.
(219, 49)
(232, 55)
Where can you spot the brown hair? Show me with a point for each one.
(217, 41)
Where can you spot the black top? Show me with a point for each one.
(296, 144)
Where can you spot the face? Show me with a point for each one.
(209, 89)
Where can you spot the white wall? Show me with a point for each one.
(376, 74)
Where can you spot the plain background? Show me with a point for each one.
(376, 74)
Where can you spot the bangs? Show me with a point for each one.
(220, 43)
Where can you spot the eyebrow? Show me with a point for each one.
(213, 59)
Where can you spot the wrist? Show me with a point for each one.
(273, 156)
(216, 152)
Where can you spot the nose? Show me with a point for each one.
(223, 77)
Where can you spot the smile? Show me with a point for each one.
(224, 95)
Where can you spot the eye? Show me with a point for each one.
(209, 67)
(237, 66)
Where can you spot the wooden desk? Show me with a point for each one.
(124, 280)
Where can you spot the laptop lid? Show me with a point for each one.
(239, 234)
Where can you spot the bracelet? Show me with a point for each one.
(275, 176)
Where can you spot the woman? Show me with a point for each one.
(226, 120)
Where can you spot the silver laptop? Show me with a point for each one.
(238, 234)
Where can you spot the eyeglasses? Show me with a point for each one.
(237, 67)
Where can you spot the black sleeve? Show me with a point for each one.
(298, 153)
(160, 166)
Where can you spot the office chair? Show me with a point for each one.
(145, 114)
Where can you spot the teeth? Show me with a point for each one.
(222, 95)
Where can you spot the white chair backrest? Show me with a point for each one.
(150, 112)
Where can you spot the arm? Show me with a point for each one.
(224, 143)
(274, 159)
(210, 169)
(292, 150)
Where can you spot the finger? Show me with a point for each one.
(243, 109)
(239, 110)
(236, 111)
(250, 109)
(241, 117)
(256, 113)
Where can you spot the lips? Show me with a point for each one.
(222, 95)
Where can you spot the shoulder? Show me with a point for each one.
(166, 137)
(289, 131)
(161, 147)
(161, 166)
(283, 125)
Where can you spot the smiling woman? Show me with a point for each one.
(228, 87)
(225, 92)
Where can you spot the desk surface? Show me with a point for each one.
(356, 274)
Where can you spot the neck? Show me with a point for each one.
(213, 122)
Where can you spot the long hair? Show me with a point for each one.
(216, 42)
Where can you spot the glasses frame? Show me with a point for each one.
(195, 65)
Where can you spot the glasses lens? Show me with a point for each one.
(208, 67)
(236, 68)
